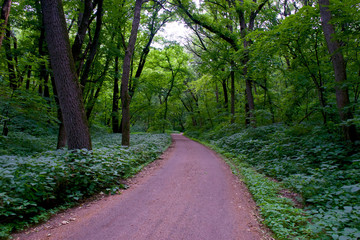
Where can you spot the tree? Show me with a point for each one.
(338, 61)
(229, 35)
(66, 79)
(125, 97)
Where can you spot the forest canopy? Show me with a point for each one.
(251, 63)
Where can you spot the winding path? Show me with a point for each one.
(192, 195)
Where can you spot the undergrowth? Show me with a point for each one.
(308, 160)
(31, 187)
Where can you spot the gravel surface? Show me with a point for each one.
(189, 193)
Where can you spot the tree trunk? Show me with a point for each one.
(81, 33)
(115, 105)
(125, 97)
(232, 94)
(93, 97)
(5, 12)
(66, 80)
(93, 46)
(10, 60)
(61, 134)
(61, 141)
(250, 100)
(226, 98)
(338, 62)
(247, 114)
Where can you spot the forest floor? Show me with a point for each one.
(189, 193)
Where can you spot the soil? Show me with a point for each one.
(189, 193)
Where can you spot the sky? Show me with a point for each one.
(175, 31)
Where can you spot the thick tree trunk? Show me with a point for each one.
(5, 12)
(115, 105)
(66, 80)
(125, 97)
(342, 95)
(61, 134)
(61, 143)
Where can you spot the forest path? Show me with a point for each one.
(189, 194)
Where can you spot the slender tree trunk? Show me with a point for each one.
(10, 60)
(247, 113)
(27, 86)
(91, 103)
(5, 12)
(342, 95)
(250, 100)
(93, 47)
(66, 80)
(99, 83)
(84, 23)
(125, 97)
(44, 75)
(232, 94)
(226, 98)
(115, 106)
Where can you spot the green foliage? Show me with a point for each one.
(23, 144)
(25, 111)
(309, 160)
(30, 185)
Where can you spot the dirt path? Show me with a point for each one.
(190, 194)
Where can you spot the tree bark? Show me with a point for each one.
(61, 140)
(232, 94)
(338, 62)
(66, 79)
(115, 105)
(81, 33)
(250, 102)
(5, 12)
(226, 98)
(125, 97)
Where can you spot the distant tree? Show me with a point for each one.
(338, 61)
(66, 79)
